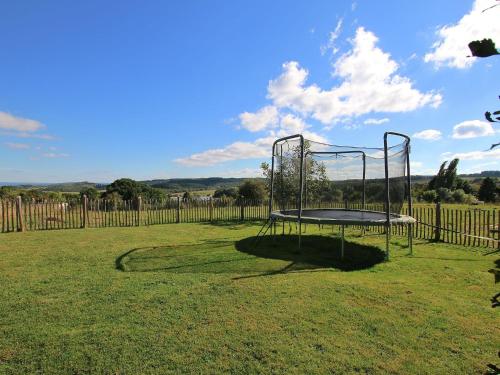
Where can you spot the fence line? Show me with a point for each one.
(468, 227)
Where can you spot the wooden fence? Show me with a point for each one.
(469, 227)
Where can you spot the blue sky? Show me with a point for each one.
(97, 91)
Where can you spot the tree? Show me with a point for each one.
(154, 194)
(7, 192)
(287, 176)
(226, 193)
(151, 193)
(252, 190)
(113, 199)
(464, 185)
(487, 190)
(90, 192)
(186, 196)
(332, 194)
(483, 48)
(437, 180)
(446, 176)
(450, 177)
(31, 194)
(126, 187)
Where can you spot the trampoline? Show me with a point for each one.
(326, 184)
(335, 216)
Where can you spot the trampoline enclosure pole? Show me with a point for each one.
(301, 188)
(387, 198)
(342, 243)
(271, 187)
(387, 240)
(364, 190)
(410, 210)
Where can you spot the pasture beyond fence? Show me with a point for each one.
(474, 227)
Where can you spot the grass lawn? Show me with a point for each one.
(199, 298)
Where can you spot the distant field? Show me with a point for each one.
(200, 298)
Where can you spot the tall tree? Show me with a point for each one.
(446, 176)
(437, 180)
(450, 178)
(487, 190)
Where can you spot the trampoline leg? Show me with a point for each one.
(387, 239)
(410, 238)
(342, 243)
(300, 235)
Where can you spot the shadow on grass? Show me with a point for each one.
(267, 257)
(235, 224)
(317, 251)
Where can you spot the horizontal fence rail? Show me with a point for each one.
(474, 227)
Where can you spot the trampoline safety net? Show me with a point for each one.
(339, 176)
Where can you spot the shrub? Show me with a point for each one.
(429, 196)
(90, 192)
(444, 194)
(226, 193)
(253, 190)
(459, 196)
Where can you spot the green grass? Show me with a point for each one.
(200, 298)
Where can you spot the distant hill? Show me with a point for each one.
(170, 185)
(68, 187)
(482, 174)
(175, 185)
(185, 184)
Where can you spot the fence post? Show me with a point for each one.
(19, 214)
(84, 210)
(242, 210)
(211, 209)
(178, 219)
(139, 209)
(437, 232)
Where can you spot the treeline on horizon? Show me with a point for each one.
(446, 186)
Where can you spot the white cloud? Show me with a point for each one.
(375, 121)
(472, 129)
(473, 155)
(261, 148)
(28, 135)
(451, 49)
(428, 135)
(10, 122)
(264, 118)
(477, 168)
(332, 38)
(419, 168)
(53, 155)
(291, 124)
(369, 84)
(17, 146)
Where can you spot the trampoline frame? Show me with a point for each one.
(388, 222)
